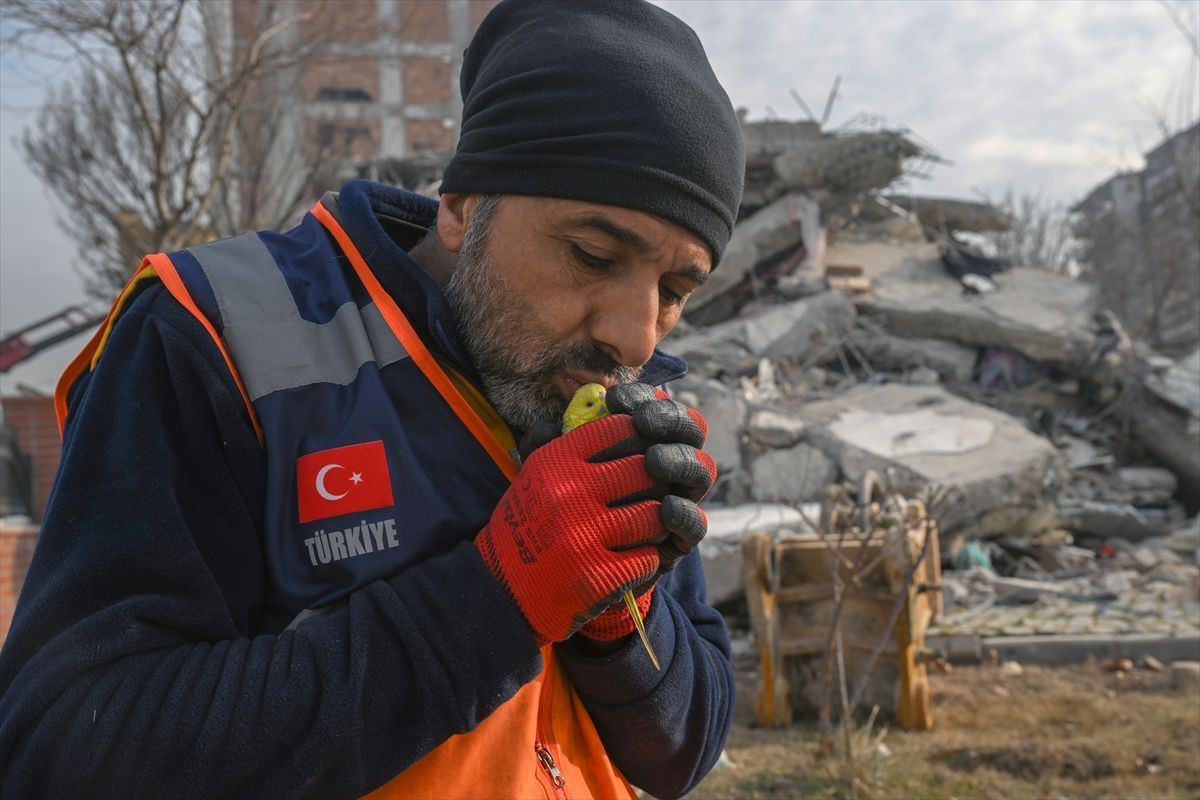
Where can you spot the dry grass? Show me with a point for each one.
(1047, 733)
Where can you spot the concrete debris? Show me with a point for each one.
(846, 165)
(1179, 385)
(774, 428)
(1011, 669)
(1067, 558)
(1021, 589)
(775, 230)
(848, 330)
(1185, 674)
(847, 279)
(986, 458)
(796, 474)
(1151, 663)
(1185, 540)
(891, 434)
(878, 255)
(1110, 519)
(922, 376)
(801, 331)
(1079, 453)
(1040, 315)
(951, 361)
(797, 177)
(721, 548)
(1168, 424)
(950, 214)
(1147, 486)
(765, 139)
(725, 411)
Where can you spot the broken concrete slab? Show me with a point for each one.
(985, 459)
(847, 164)
(1146, 486)
(802, 330)
(726, 521)
(1185, 540)
(1180, 384)
(1043, 316)
(1107, 520)
(796, 474)
(770, 137)
(922, 376)
(1168, 436)
(725, 411)
(888, 353)
(876, 255)
(775, 428)
(772, 230)
(1080, 453)
(721, 548)
(911, 432)
(799, 330)
(1024, 589)
(946, 213)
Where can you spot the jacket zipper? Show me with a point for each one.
(547, 762)
(541, 744)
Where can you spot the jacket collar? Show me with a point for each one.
(413, 289)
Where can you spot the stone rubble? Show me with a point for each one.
(845, 332)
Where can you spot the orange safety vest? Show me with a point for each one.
(542, 742)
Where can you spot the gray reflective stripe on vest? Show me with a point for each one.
(271, 345)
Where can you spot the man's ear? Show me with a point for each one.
(453, 218)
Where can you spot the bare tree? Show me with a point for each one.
(158, 139)
(1039, 234)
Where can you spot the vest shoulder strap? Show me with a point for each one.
(153, 267)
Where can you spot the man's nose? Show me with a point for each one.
(626, 324)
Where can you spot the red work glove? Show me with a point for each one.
(577, 527)
(682, 473)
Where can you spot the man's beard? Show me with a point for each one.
(516, 359)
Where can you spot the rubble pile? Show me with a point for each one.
(849, 330)
(853, 328)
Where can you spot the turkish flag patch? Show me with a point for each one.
(343, 480)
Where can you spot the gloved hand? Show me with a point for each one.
(578, 527)
(683, 474)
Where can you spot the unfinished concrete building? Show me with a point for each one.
(370, 80)
(1141, 233)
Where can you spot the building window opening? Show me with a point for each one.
(339, 94)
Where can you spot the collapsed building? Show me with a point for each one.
(852, 329)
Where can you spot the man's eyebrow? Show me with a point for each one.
(623, 235)
(635, 241)
(691, 271)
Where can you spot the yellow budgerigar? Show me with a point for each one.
(588, 405)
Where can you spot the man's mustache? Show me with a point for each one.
(592, 358)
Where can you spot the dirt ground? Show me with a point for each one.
(1077, 732)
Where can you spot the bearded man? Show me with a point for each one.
(294, 550)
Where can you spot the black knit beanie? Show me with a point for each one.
(605, 101)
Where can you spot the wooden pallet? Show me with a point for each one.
(789, 590)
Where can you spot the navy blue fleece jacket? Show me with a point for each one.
(141, 662)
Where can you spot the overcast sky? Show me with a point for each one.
(1048, 97)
